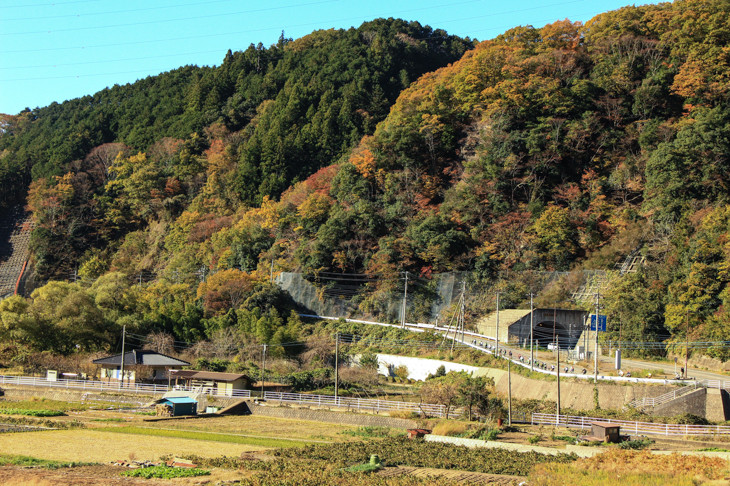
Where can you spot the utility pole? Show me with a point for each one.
(405, 299)
(496, 348)
(263, 370)
(558, 408)
(509, 392)
(532, 341)
(555, 322)
(121, 371)
(337, 365)
(462, 309)
(686, 352)
(595, 349)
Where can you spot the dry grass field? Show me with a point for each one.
(104, 447)
(259, 426)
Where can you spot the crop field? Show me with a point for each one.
(269, 442)
(263, 451)
(101, 446)
(261, 426)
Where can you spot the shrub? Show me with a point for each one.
(164, 472)
(32, 413)
(637, 444)
(450, 428)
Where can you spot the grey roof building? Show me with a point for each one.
(141, 357)
(138, 359)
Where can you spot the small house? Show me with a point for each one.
(151, 363)
(208, 381)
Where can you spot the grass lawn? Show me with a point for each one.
(41, 404)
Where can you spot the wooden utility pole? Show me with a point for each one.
(337, 365)
(558, 407)
(121, 370)
(509, 392)
(496, 348)
(686, 352)
(595, 349)
(405, 300)
(263, 370)
(532, 340)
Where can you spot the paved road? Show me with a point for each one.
(669, 368)
(605, 362)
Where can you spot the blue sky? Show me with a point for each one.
(55, 51)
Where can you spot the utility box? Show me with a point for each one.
(606, 432)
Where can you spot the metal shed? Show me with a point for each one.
(606, 431)
(181, 405)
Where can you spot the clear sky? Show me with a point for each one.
(55, 51)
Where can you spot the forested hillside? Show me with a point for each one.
(564, 147)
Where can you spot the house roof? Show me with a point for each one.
(142, 357)
(206, 375)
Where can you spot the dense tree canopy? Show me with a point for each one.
(396, 148)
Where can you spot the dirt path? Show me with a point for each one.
(101, 475)
(464, 477)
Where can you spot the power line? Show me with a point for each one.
(108, 12)
(167, 20)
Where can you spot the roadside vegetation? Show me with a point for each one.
(632, 468)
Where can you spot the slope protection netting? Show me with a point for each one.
(15, 229)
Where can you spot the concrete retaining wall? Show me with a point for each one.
(21, 392)
(694, 402)
(343, 418)
(574, 394)
(418, 368)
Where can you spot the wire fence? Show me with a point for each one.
(631, 427)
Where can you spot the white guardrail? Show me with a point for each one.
(630, 427)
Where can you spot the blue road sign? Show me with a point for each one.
(601, 323)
